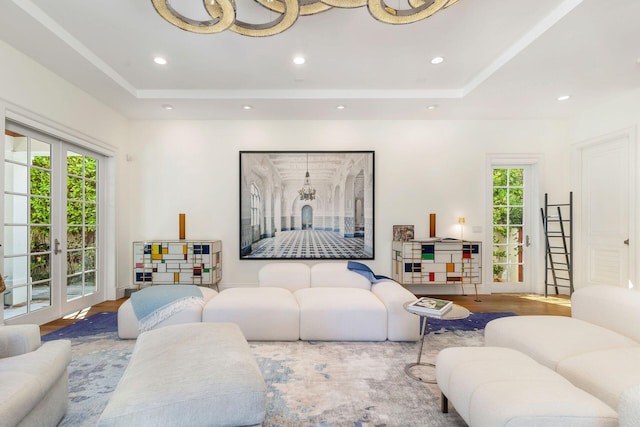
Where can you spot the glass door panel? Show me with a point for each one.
(508, 216)
(27, 224)
(82, 224)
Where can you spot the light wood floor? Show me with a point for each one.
(521, 304)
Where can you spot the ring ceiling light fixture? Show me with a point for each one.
(223, 14)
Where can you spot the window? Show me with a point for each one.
(255, 206)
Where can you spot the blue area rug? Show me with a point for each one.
(96, 324)
(475, 322)
(107, 322)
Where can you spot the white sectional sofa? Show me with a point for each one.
(597, 350)
(33, 377)
(325, 302)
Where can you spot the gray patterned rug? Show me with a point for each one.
(323, 384)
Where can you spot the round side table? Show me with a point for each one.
(456, 312)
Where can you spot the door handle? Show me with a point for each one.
(626, 242)
(527, 241)
(57, 249)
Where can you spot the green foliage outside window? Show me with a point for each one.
(508, 208)
(81, 213)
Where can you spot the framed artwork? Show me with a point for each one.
(306, 205)
(403, 232)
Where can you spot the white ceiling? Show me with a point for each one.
(503, 60)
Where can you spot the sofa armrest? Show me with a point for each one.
(401, 325)
(612, 307)
(18, 339)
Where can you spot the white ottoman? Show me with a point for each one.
(263, 314)
(341, 314)
(128, 322)
(194, 374)
(493, 386)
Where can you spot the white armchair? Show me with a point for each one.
(33, 377)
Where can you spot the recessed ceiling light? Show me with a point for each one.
(167, 106)
(340, 107)
(563, 97)
(437, 60)
(432, 107)
(247, 107)
(299, 60)
(160, 60)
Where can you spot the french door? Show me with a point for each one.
(512, 225)
(51, 233)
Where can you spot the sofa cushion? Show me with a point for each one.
(605, 373)
(263, 314)
(292, 276)
(613, 308)
(341, 314)
(336, 275)
(550, 339)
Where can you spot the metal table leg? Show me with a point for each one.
(408, 366)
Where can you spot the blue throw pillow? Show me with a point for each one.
(364, 270)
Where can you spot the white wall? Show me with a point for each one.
(421, 167)
(612, 116)
(192, 166)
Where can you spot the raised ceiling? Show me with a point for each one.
(502, 60)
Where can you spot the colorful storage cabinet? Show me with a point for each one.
(437, 262)
(176, 262)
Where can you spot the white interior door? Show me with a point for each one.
(606, 199)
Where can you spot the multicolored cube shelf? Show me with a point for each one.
(176, 262)
(437, 262)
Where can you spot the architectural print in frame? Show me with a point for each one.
(306, 204)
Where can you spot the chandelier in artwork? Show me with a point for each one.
(307, 192)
